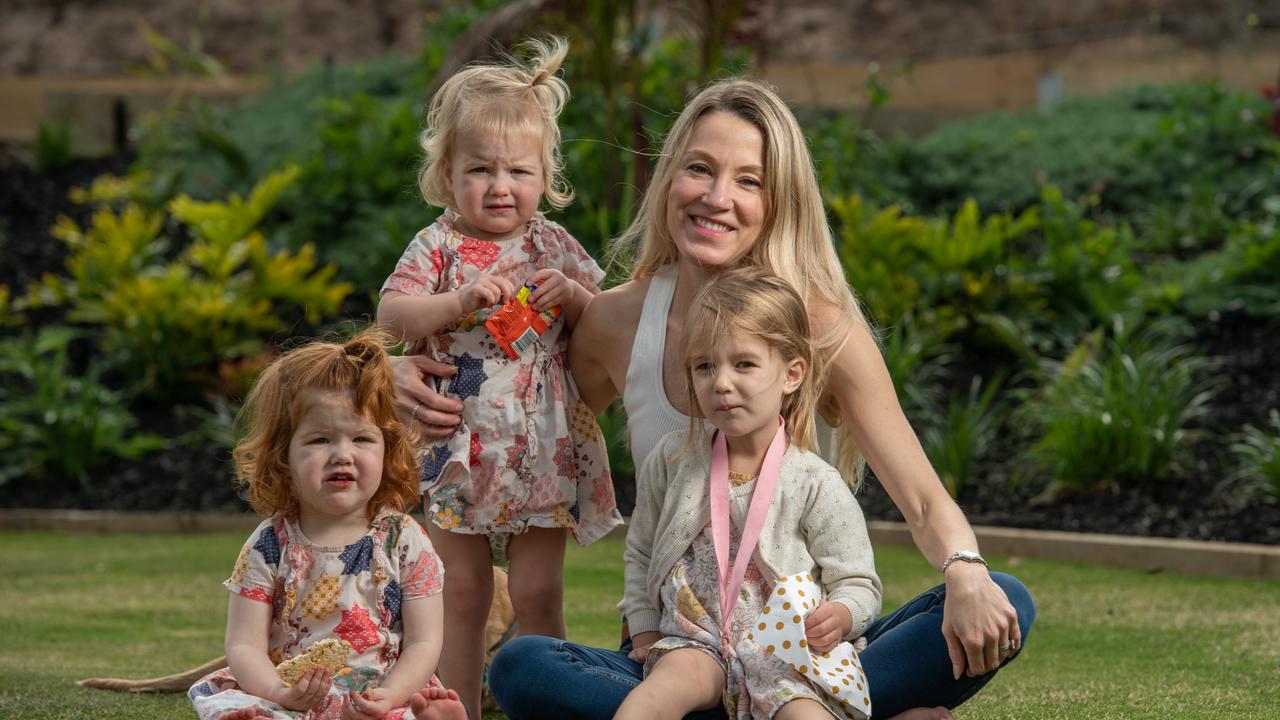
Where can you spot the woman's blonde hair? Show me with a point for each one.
(754, 301)
(359, 366)
(794, 242)
(499, 100)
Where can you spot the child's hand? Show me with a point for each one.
(368, 705)
(484, 291)
(640, 645)
(308, 691)
(826, 625)
(553, 289)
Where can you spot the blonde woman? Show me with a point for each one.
(735, 183)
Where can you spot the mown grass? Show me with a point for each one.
(1108, 643)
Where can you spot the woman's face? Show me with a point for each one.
(715, 207)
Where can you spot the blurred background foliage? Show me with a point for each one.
(1043, 282)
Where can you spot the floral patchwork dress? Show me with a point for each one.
(353, 593)
(757, 682)
(528, 452)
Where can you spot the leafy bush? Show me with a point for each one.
(53, 145)
(1239, 277)
(1129, 151)
(966, 434)
(54, 424)
(170, 321)
(917, 355)
(1257, 452)
(1026, 282)
(1121, 410)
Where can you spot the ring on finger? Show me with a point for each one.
(414, 414)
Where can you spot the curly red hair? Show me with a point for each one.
(360, 366)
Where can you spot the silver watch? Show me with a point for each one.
(963, 556)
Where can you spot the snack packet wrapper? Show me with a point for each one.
(780, 630)
(516, 325)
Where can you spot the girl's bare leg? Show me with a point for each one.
(809, 709)
(803, 709)
(436, 703)
(536, 581)
(681, 682)
(468, 593)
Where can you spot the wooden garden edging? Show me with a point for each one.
(1193, 557)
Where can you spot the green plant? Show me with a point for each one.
(169, 58)
(171, 320)
(1257, 452)
(917, 355)
(961, 441)
(9, 315)
(53, 145)
(54, 424)
(1121, 410)
(1125, 152)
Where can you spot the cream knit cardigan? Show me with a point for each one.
(814, 525)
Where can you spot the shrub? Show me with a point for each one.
(1119, 411)
(1129, 151)
(1239, 277)
(54, 424)
(961, 441)
(53, 145)
(917, 355)
(170, 321)
(1257, 452)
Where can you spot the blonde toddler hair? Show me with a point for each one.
(499, 100)
(755, 302)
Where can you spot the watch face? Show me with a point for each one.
(969, 555)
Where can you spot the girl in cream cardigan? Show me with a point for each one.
(729, 525)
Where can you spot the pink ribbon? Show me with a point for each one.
(761, 497)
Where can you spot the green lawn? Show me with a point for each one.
(1108, 643)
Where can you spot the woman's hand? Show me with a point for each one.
(437, 416)
(308, 692)
(826, 625)
(368, 705)
(484, 291)
(641, 643)
(977, 621)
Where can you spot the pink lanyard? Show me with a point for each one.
(761, 497)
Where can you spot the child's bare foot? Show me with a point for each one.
(437, 703)
(248, 713)
(921, 713)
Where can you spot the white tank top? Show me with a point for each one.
(650, 414)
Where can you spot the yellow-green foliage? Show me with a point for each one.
(897, 263)
(8, 314)
(172, 318)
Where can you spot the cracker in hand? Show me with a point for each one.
(327, 653)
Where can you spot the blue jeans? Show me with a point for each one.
(905, 660)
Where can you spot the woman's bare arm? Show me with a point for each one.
(600, 348)
(978, 616)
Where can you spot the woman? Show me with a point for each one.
(735, 183)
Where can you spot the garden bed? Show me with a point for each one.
(195, 476)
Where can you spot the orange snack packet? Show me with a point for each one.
(516, 325)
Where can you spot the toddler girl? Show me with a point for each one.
(528, 462)
(703, 600)
(331, 467)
